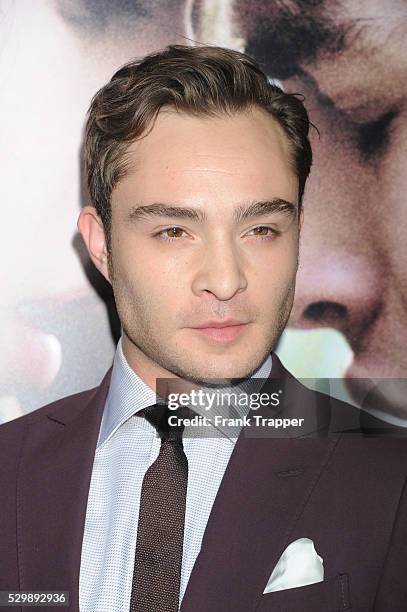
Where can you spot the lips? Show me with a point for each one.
(225, 331)
(220, 324)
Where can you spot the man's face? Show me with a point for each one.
(171, 274)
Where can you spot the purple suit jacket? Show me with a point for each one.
(346, 492)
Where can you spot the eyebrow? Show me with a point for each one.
(241, 213)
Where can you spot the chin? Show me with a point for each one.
(222, 370)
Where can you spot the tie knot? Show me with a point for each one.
(168, 423)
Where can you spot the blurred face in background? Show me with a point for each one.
(350, 61)
(54, 56)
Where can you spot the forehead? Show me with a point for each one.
(213, 154)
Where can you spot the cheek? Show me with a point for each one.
(274, 275)
(145, 281)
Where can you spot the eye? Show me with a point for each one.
(373, 136)
(265, 232)
(170, 233)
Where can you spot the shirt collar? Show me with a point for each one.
(128, 394)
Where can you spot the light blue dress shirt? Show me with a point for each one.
(126, 447)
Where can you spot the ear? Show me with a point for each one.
(91, 228)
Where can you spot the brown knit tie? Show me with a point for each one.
(160, 535)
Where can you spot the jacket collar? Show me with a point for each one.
(128, 394)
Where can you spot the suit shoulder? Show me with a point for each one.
(355, 426)
(64, 410)
(13, 429)
(343, 415)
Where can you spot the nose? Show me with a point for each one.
(341, 291)
(221, 271)
(341, 279)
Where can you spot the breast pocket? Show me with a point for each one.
(331, 595)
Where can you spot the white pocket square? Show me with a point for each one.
(299, 565)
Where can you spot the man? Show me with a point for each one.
(348, 58)
(196, 168)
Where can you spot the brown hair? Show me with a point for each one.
(202, 80)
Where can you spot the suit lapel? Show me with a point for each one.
(264, 490)
(53, 486)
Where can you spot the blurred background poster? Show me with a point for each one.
(348, 58)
